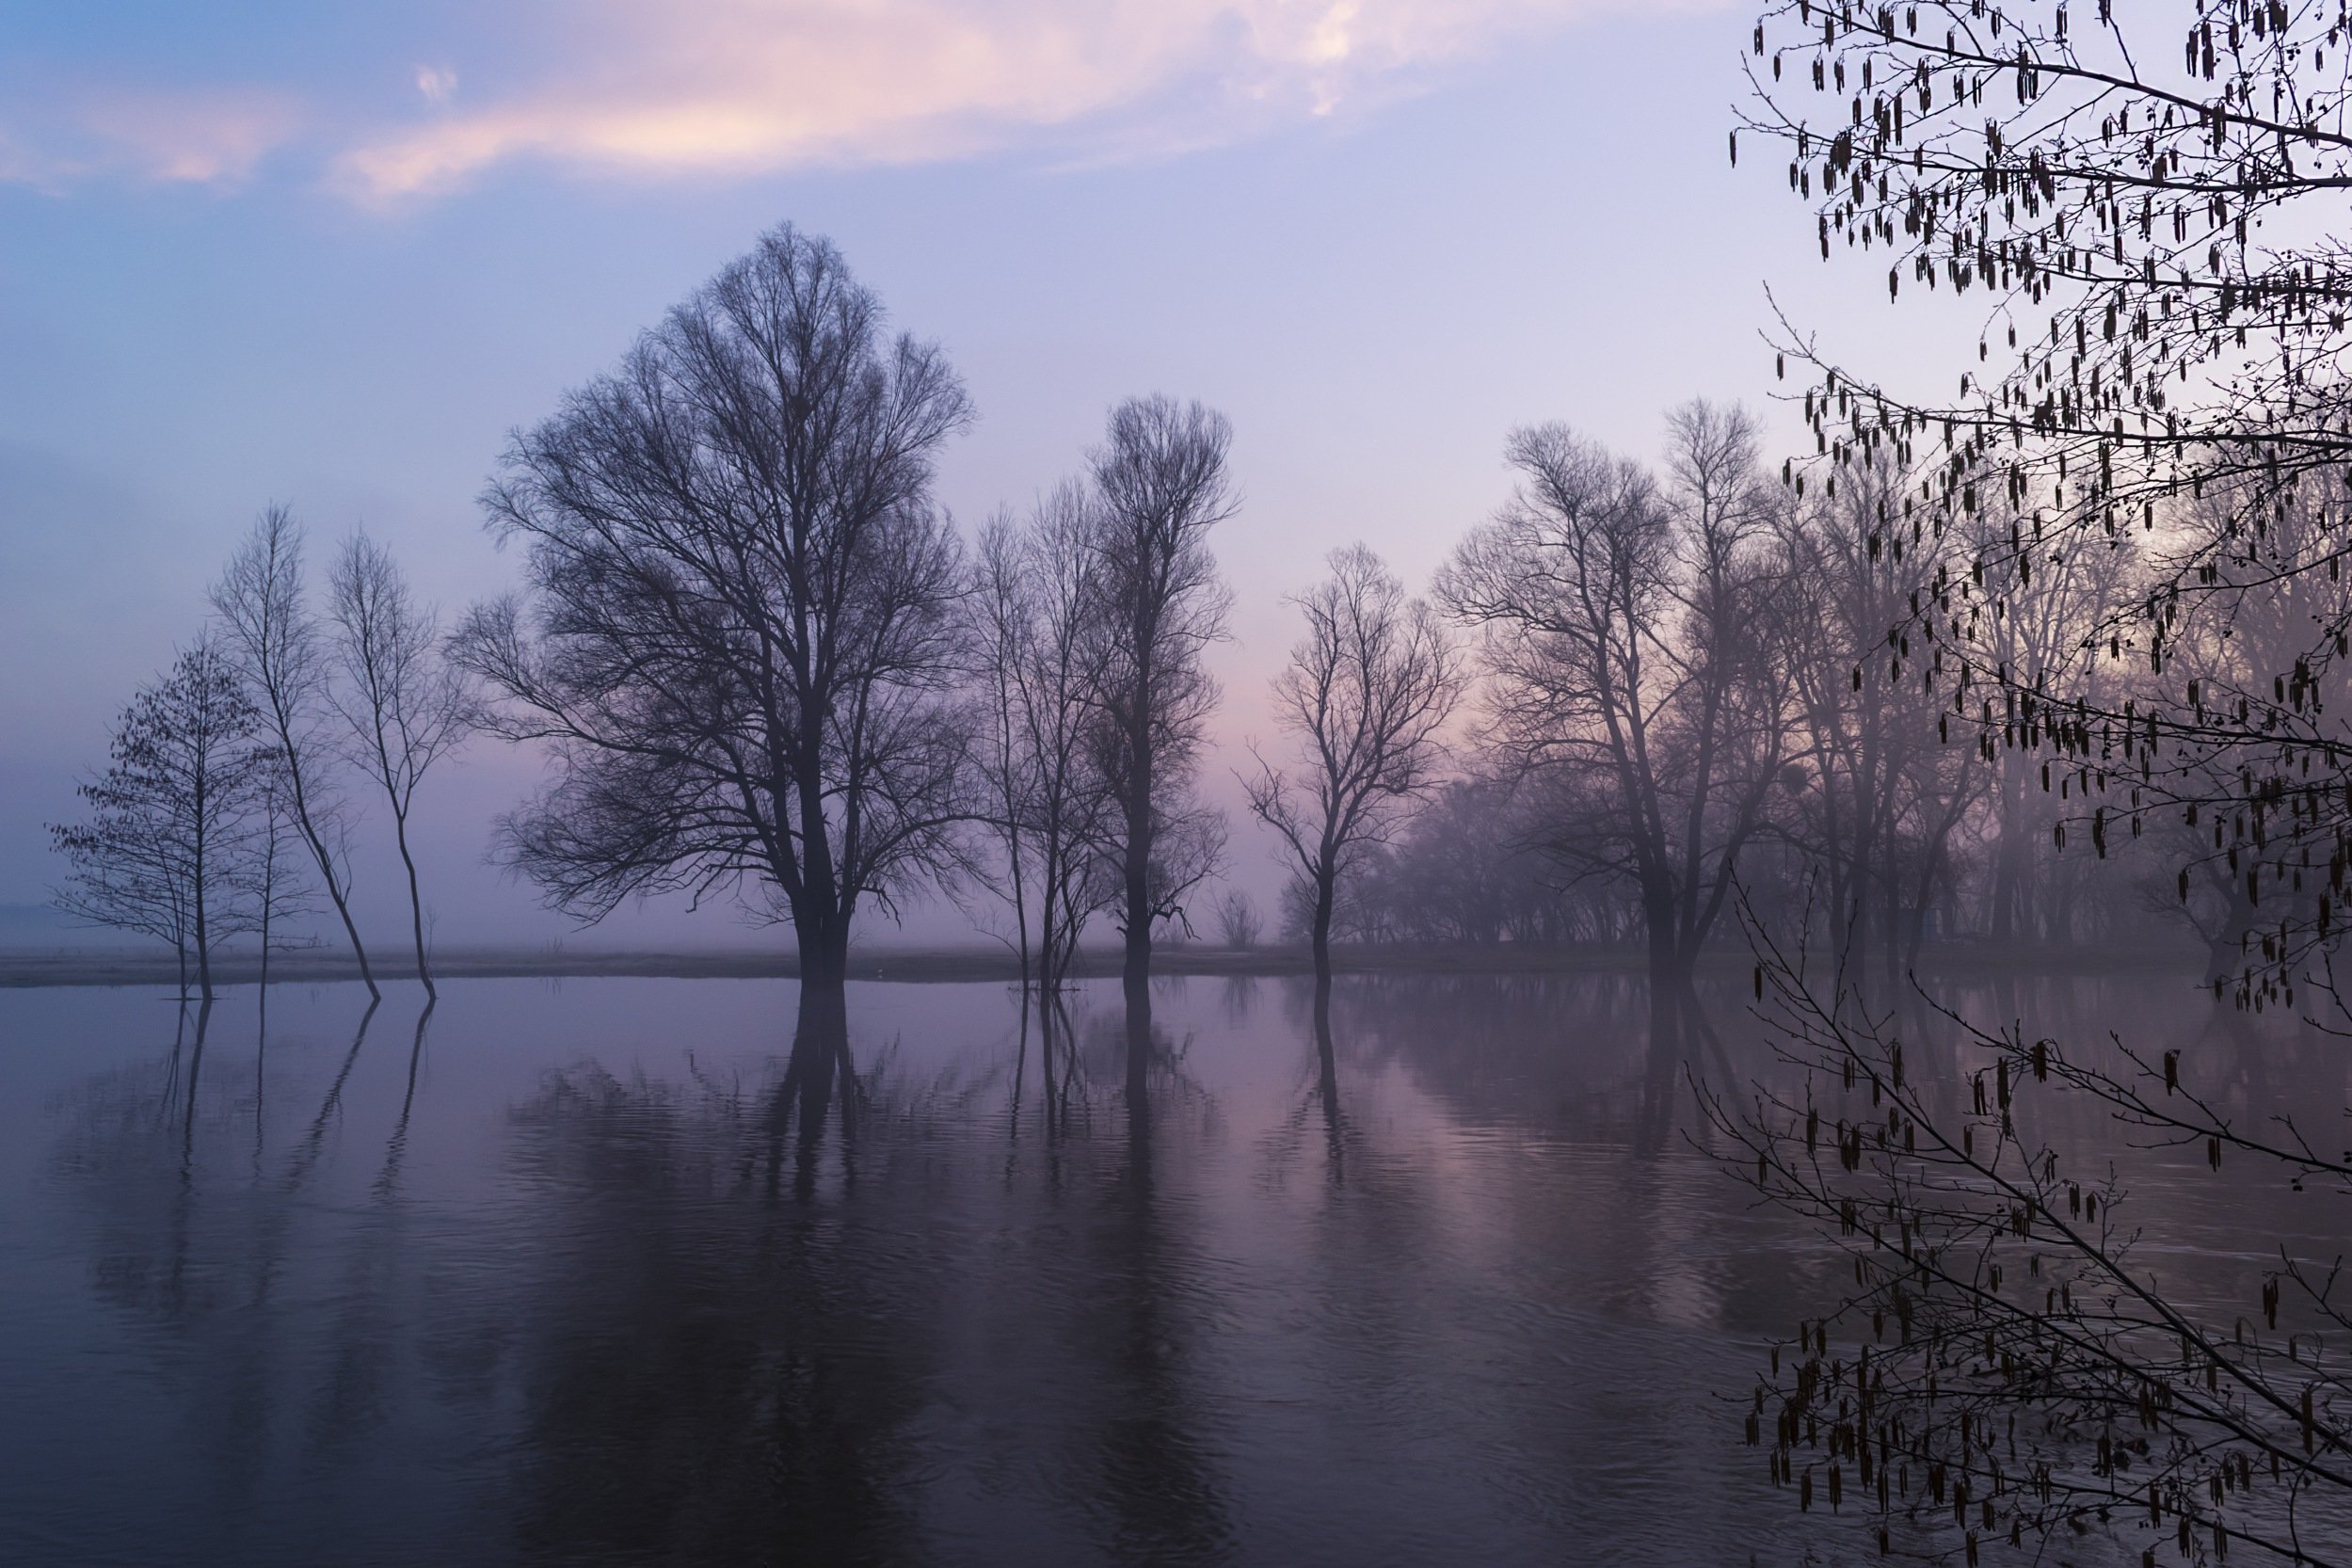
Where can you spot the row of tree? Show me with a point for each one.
(225, 810)
(761, 660)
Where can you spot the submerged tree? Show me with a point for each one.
(1162, 485)
(407, 705)
(739, 643)
(1364, 696)
(276, 643)
(168, 846)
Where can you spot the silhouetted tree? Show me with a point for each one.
(1039, 654)
(276, 643)
(407, 705)
(2143, 348)
(2159, 373)
(1161, 483)
(1624, 636)
(1365, 696)
(167, 844)
(1237, 921)
(738, 645)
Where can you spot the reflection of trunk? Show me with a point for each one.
(306, 1155)
(819, 1059)
(824, 942)
(1671, 1000)
(394, 1150)
(1138, 1057)
(187, 1118)
(1327, 1075)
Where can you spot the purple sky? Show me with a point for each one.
(254, 252)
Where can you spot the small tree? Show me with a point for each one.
(1237, 924)
(168, 847)
(1038, 651)
(276, 643)
(1365, 696)
(406, 706)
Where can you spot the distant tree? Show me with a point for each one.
(740, 644)
(1627, 639)
(1363, 696)
(1162, 483)
(277, 642)
(1238, 925)
(2149, 197)
(408, 706)
(168, 846)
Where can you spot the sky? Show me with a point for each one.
(262, 251)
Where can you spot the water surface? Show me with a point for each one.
(544, 1277)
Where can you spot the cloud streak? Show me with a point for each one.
(737, 87)
(720, 88)
(205, 136)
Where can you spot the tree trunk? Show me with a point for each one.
(1137, 967)
(823, 975)
(416, 900)
(1321, 930)
(336, 893)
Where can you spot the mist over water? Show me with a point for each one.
(559, 1276)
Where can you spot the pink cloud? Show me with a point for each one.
(645, 88)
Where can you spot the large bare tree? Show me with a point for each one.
(406, 706)
(1363, 696)
(1162, 483)
(739, 643)
(167, 848)
(275, 641)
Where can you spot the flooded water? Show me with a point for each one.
(541, 1278)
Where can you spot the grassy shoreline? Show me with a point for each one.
(66, 968)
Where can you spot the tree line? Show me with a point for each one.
(762, 663)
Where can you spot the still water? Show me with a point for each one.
(537, 1277)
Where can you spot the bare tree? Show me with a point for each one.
(1161, 482)
(274, 638)
(999, 610)
(740, 643)
(1365, 696)
(1625, 637)
(2007, 1346)
(1238, 925)
(1039, 650)
(167, 847)
(407, 707)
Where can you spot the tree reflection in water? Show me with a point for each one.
(1239, 1273)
